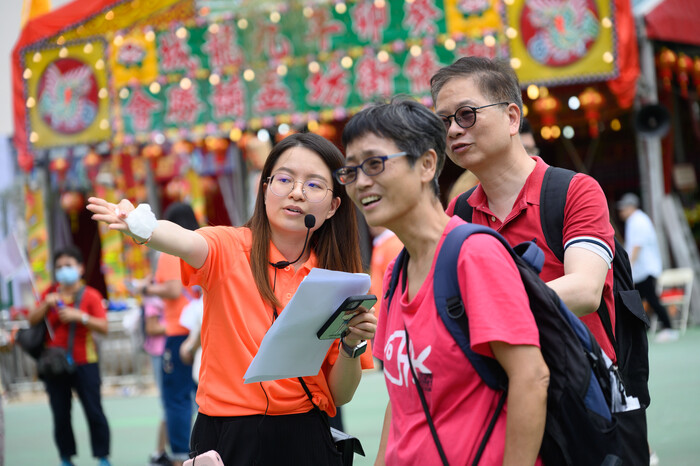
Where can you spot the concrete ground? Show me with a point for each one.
(674, 416)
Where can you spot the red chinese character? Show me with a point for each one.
(140, 108)
(270, 42)
(228, 99)
(222, 48)
(322, 27)
(419, 70)
(329, 89)
(274, 95)
(369, 21)
(174, 54)
(421, 17)
(183, 105)
(375, 78)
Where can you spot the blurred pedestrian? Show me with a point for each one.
(248, 275)
(178, 388)
(385, 247)
(154, 345)
(643, 248)
(527, 138)
(74, 312)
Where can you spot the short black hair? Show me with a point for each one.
(70, 251)
(182, 214)
(525, 126)
(495, 78)
(409, 124)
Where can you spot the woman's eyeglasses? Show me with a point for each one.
(371, 167)
(465, 116)
(282, 185)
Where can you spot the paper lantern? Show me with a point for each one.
(209, 186)
(176, 189)
(152, 151)
(665, 64)
(183, 147)
(547, 108)
(696, 73)
(591, 102)
(25, 161)
(92, 164)
(684, 65)
(72, 202)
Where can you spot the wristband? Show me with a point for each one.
(85, 319)
(141, 222)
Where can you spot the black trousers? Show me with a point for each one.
(86, 383)
(294, 439)
(647, 290)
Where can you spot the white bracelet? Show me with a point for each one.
(142, 221)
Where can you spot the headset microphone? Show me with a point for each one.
(309, 223)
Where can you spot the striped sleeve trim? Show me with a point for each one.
(594, 245)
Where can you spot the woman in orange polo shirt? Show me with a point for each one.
(248, 275)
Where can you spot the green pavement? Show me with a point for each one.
(674, 416)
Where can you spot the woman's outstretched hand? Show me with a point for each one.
(114, 215)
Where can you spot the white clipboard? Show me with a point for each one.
(290, 348)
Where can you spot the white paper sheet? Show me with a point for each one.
(290, 348)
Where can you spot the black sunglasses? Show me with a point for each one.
(465, 116)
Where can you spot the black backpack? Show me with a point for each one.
(580, 429)
(631, 322)
(629, 339)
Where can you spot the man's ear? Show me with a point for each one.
(428, 165)
(335, 203)
(514, 119)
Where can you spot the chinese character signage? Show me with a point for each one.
(178, 72)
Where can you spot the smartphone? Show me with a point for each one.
(209, 458)
(337, 324)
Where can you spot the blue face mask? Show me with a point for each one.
(67, 275)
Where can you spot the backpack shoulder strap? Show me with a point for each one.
(450, 307)
(395, 274)
(555, 186)
(462, 208)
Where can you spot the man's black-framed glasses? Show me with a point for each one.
(371, 167)
(282, 185)
(465, 116)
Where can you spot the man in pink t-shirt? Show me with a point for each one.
(395, 153)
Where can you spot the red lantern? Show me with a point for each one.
(547, 107)
(92, 164)
(666, 63)
(72, 202)
(218, 147)
(684, 65)
(152, 151)
(25, 160)
(175, 189)
(696, 73)
(591, 101)
(183, 147)
(209, 186)
(60, 167)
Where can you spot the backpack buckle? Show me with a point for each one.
(454, 307)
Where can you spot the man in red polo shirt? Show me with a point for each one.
(480, 103)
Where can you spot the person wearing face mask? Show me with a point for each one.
(70, 302)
